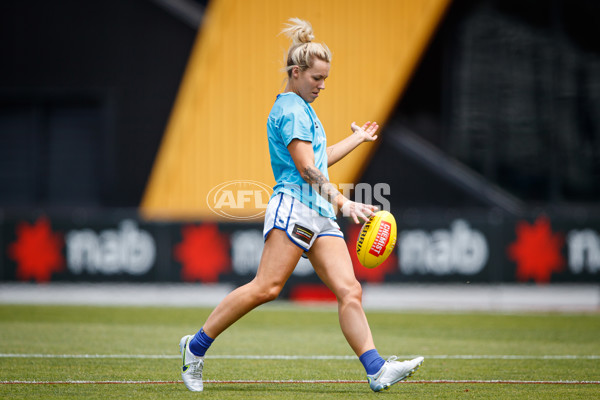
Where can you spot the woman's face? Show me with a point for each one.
(308, 83)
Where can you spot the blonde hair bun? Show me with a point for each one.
(303, 50)
(299, 31)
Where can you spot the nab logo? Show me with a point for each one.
(240, 200)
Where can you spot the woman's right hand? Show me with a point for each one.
(355, 210)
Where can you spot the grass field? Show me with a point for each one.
(287, 352)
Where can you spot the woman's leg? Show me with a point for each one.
(331, 261)
(279, 258)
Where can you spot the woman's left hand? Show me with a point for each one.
(366, 132)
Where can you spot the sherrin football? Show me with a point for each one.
(377, 239)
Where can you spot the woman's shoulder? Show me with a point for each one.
(290, 99)
(289, 103)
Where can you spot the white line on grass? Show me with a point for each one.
(306, 381)
(308, 357)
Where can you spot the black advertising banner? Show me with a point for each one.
(47, 248)
(430, 247)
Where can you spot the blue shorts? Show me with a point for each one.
(302, 224)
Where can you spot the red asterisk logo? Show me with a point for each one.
(368, 274)
(204, 253)
(537, 251)
(37, 251)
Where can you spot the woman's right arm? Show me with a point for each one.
(304, 159)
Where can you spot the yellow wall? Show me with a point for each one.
(217, 129)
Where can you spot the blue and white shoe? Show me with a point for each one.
(191, 370)
(393, 372)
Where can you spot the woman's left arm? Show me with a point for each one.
(360, 134)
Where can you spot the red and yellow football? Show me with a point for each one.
(377, 239)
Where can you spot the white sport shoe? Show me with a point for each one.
(191, 370)
(393, 372)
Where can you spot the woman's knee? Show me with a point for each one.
(266, 293)
(271, 293)
(350, 293)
